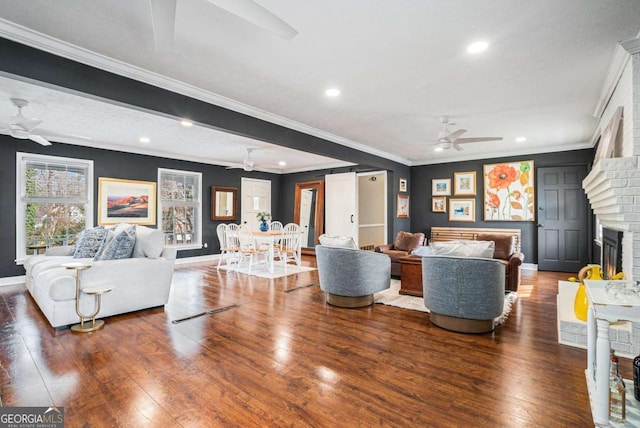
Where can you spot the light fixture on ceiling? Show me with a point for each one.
(282, 163)
(145, 140)
(521, 139)
(477, 47)
(186, 123)
(438, 149)
(332, 92)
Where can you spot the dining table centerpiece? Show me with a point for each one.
(263, 216)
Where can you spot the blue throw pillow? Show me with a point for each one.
(89, 242)
(121, 246)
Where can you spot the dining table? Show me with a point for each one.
(269, 238)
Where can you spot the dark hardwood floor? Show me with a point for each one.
(288, 359)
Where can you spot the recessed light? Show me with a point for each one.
(438, 149)
(145, 140)
(185, 122)
(282, 163)
(521, 139)
(477, 47)
(332, 92)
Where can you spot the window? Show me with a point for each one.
(53, 201)
(180, 207)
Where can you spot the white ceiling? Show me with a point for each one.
(399, 64)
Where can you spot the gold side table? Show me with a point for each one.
(97, 291)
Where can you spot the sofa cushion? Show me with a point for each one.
(406, 241)
(396, 255)
(120, 246)
(338, 241)
(89, 242)
(504, 244)
(422, 251)
(149, 242)
(484, 249)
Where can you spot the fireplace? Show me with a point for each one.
(611, 252)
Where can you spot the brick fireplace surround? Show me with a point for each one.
(613, 185)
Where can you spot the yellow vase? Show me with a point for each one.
(581, 303)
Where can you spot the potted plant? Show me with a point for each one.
(263, 216)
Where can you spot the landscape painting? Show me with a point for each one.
(126, 201)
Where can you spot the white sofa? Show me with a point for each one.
(139, 282)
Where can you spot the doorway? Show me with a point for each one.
(563, 234)
(255, 198)
(356, 206)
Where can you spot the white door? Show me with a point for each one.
(255, 198)
(340, 205)
(306, 198)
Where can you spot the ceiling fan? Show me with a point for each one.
(448, 139)
(247, 163)
(21, 126)
(163, 17)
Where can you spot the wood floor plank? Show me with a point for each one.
(289, 359)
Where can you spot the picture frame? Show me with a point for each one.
(126, 201)
(462, 210)
(509, 191)
(439, 204)
(403, 185)
(403, 206)
(464, 183)
(441, 187)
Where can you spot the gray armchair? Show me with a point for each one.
(463, 294)
(350, 277)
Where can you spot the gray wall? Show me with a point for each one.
(423, 219)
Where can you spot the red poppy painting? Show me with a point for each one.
(509, 192)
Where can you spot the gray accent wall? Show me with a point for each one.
(423, 219)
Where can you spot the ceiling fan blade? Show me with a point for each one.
(457, 146)
(163, 21)
(256, 14)
(39, 139)
(455, 134)
(47, 133)
(477, 139)
(24, 123)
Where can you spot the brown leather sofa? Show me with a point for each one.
(506, 253)
(405, 243)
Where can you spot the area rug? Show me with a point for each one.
(392, 297)
(261, 271)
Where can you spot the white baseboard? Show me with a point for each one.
(198, 259)
(529, 266)
(12, 280)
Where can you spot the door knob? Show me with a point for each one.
(351, 218)
(540, 225)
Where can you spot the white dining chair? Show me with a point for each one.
(290, 245)
(232, 245)
(248, 248)
(221, 231)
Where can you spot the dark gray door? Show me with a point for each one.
(563, 238)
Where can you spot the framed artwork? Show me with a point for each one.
(439, 204)
(464, 183)
(403, 206)
(441, 187)
(509, 191)
(462, 210)
(126, 201)
(403, 184)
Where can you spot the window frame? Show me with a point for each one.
(22, 158)
(197, 203)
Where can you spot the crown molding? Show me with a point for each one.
(503, 154)
(26, 36)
